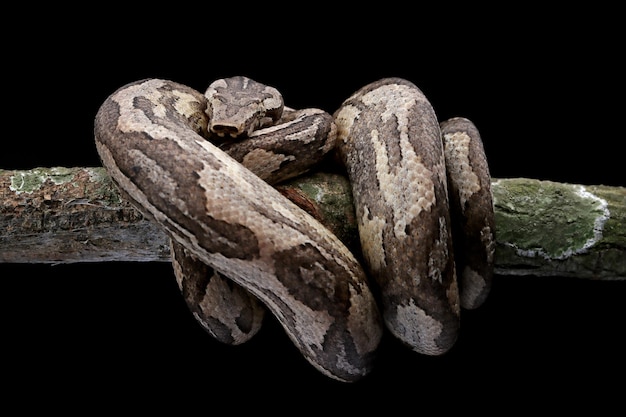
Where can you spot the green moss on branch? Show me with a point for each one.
(64, 215)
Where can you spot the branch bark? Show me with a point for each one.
(68, 215)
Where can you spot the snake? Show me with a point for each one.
(203, 167)
(239, 113)
(393, 146)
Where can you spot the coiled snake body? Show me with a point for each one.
(201, 166)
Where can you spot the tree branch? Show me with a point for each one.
(68, 215)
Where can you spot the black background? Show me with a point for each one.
(545, 89)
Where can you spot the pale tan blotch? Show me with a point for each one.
(221, 303)
(344, 119)
(265, 162)
(134, 119)
(312, 335)
(416, 328)
(185, 103)
(399, 99)
(400, 186)
(193, 109)
(411, 178)
(457, 148)
(224, 309)
(371, 237)
(219, 185)
(307, 134)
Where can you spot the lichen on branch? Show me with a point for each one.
(543, 228)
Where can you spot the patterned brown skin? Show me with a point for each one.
(224, 309)
(237, 106)
(275, 148)
(471, 205)
(147, 136)
(390, 141)
(298, 142)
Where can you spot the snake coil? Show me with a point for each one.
(201, 165)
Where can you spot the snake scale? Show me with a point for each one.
(202, 166)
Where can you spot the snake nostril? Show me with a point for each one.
(224, 130)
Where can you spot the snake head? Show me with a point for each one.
(238, 105)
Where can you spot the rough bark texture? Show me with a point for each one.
(65, 215)
(555, 229)
(68, 215)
